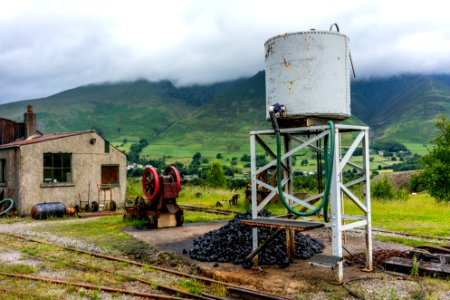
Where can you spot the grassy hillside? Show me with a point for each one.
(402, 108)
(217, 118)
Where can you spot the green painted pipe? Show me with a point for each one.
(11, 204)
(328, 172)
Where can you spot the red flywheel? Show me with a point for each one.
(173, 172)
(150, 183)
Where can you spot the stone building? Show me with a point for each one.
(71, 168)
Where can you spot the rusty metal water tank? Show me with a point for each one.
(309, 73)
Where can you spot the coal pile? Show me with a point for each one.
(232, 242)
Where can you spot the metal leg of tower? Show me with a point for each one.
(254, 191)
(368, 227)
(289, 189)
(336, 219)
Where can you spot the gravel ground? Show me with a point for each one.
(299, 279)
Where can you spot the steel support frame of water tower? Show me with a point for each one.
(339, 222)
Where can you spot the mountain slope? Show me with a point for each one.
(218, 117)
(402, 108)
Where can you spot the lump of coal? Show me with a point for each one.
(232, 242)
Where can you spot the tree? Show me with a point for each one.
(216, 175)
(383, 189)
(197, 156)
(436, 174)
(195, 163)
(245, 157)
(143, 142)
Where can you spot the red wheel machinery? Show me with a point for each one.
(173, 172)
(150, 183)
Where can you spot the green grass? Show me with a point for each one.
(134, 187)
(105, 231)
(420, 215)
(408, 242)
(206, 196)
(196, 216)
(17, 268)
(420, 149)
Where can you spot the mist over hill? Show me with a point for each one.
(218, 117)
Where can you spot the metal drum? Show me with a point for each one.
(309, 72)
(45, 210)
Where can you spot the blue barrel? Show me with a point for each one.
(44, 210)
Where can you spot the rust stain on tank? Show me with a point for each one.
(286, 64)
(269, 51)
(291, 86)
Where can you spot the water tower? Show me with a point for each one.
(307, 97)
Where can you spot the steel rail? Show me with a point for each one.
(92, 287)
(152, 284)
(24, 295)
(202, 279)
(207, 209)
(405, 235)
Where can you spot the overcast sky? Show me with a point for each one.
(48, 46)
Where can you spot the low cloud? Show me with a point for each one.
(46, 48)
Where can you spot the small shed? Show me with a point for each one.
(62, 167)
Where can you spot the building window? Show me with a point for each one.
(110, 174)
(57, 167)
(2, 170)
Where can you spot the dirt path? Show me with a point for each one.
(177, 238)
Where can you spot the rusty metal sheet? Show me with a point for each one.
(10, 131)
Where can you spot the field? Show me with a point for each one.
(419, 214)
(420, 149)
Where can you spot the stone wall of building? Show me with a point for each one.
(88, 155)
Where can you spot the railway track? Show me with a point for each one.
(206, 209)
(121, 268)
(383, 232)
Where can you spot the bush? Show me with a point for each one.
(402, 194)
(435, 175)
(235, 184)
(216, 175)
(416, 184)
(383, 189)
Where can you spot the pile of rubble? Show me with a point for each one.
(233, 242)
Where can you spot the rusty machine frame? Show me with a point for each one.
(160, 208)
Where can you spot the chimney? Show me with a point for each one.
(29, 120)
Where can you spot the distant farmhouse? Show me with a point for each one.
(69, 167)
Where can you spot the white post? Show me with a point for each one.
(366, 167)
(289, 189)
(254, 194)
(336, 213)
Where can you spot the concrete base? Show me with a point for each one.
(167, 220)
